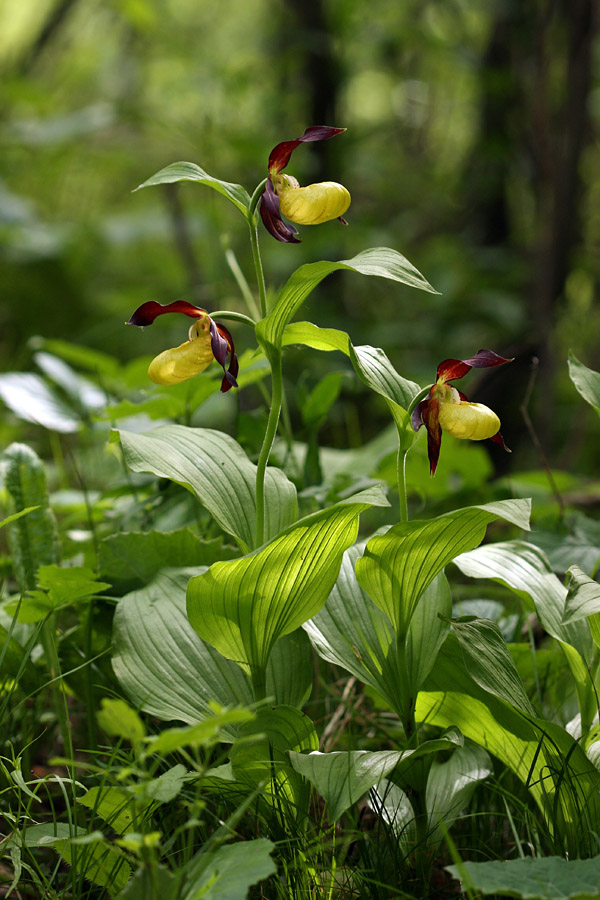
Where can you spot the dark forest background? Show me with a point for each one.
(472, 147)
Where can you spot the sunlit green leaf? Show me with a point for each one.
(489, 662)
(187, 171)
(215, 468)
(229, 872)
(244, 606)
(380, 261)
(586, 381)
(398, 566)
(117, 718)
(352, 632)
(543, 755)
(261, 756)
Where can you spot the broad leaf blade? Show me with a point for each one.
(583, 596)
(542, 754)
(489, 662)
(229, 872)
(524, 569)
(215, 468)
(380, 261)
(398, 566)
(586, 381)
(533, 878)
(162, 664)
(187, 171)
(244, 606)
(261, 754)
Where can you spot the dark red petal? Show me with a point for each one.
(222, 344)
(417, 416)
(269, 213)
(148, 312)
(430, 418)
(280, 155)
(229, 379)
(451, 369)
(462, 396)
(342, 220)
(498, 439)
(484, 359)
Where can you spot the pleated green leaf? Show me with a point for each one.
(244, 606)
(162, 664)
(261, 754)
(450, 786)
(227, 873)
(168, 671)
(187, 171)
(351, 632)
(544, 756)
(215, 468)
(583, 596)
(342, 778)
(524, 569)
(380, 261)
(489, 662)
(533, 878)
(371, 365)
(398, 566)
(309, 335)
(586, 381)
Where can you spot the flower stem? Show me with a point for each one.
(260, 278)
(401, 469)
(265, 450)
(234, 316)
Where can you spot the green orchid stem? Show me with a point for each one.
(260, 278)
(234, 316)
(401, 469)
(259, 684)
(258, 190)
(265, 450)
(48, 641)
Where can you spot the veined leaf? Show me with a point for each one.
(586, 381)
(166, 669)
(187, 171)
(244, 606)
(543, 755)
(342, 778)
(489, 662)
(398, 566)
(583, 596)
(450, 786)
(352, 632)
(533, 878)
(229, 872)
(380, 261)
(260, 755)
(524, 569)
(215, 468)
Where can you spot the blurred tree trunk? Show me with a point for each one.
(537, 78)
(312, 40)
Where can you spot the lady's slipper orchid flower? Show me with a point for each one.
(310, 205)
(447, 409)
(207, 341)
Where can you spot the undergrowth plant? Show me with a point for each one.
(216, 618)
